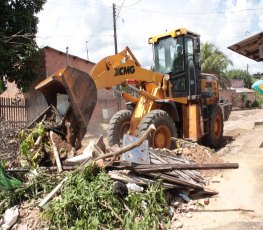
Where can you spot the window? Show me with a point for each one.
(190, 52)
(166, 51)
(178, 84)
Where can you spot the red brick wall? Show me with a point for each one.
(231, 96)
(226, 95)
(237, 83)
(55, 59)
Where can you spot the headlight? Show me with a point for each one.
(166, 77)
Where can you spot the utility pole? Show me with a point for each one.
(67, 55)
(248, 79)
(116, 50)
(114, 28)
(87, 50)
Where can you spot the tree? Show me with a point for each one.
(18, 49)
(240, 74)
(213, 60)
(216, 62)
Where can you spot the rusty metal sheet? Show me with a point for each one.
(79, 87)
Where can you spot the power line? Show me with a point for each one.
(195, 13)
(81, 6)
(120, 8)
(134, 3)
(189, 17)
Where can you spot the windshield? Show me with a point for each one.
(169, 55)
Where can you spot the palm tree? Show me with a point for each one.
(214, 61)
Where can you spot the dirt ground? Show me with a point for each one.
(239, 204)
(240, 188)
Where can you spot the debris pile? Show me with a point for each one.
(199, 154)
(133, 187)
(190, 179)
(9, 144)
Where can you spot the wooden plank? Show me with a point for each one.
(17, 113)
(176, 173)
(4, 108)
(192, 176)
(178, 181)
(130, 178)
(13, 111)
(1, 107)
(189, 173)
(8, 110)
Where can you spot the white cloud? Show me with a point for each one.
(73, 22)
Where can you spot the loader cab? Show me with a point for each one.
(177, 53)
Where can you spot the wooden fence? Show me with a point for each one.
(13, 111)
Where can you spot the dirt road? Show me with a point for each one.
(241, 188)
(238, 189)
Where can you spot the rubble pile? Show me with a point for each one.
(9, 144)
(184, 179)
(132, 187)
(199, 154)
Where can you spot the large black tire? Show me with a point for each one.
(118, 126)
(216, 127)
(165, 129)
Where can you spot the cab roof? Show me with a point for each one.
(173, 33)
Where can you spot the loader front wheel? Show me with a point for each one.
(165, 129)
(118, 126)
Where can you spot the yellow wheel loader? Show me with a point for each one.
(173, 95)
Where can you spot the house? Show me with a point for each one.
(53, 60)
(251, 47)
(237, 94)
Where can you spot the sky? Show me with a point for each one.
(87, 25)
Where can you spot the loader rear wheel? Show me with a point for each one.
(216, 126)
(165, 129)
(118, 126)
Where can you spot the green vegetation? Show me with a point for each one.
(246, 103)
(87, 202)
(18, 49)
(36, 183)
(30, 153)
(213, 60)
(240, 74)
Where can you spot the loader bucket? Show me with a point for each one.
(82, 94)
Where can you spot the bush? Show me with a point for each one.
(256, 103)
(248, 104)
(87, 202)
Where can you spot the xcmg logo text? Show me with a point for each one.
(124, 70)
